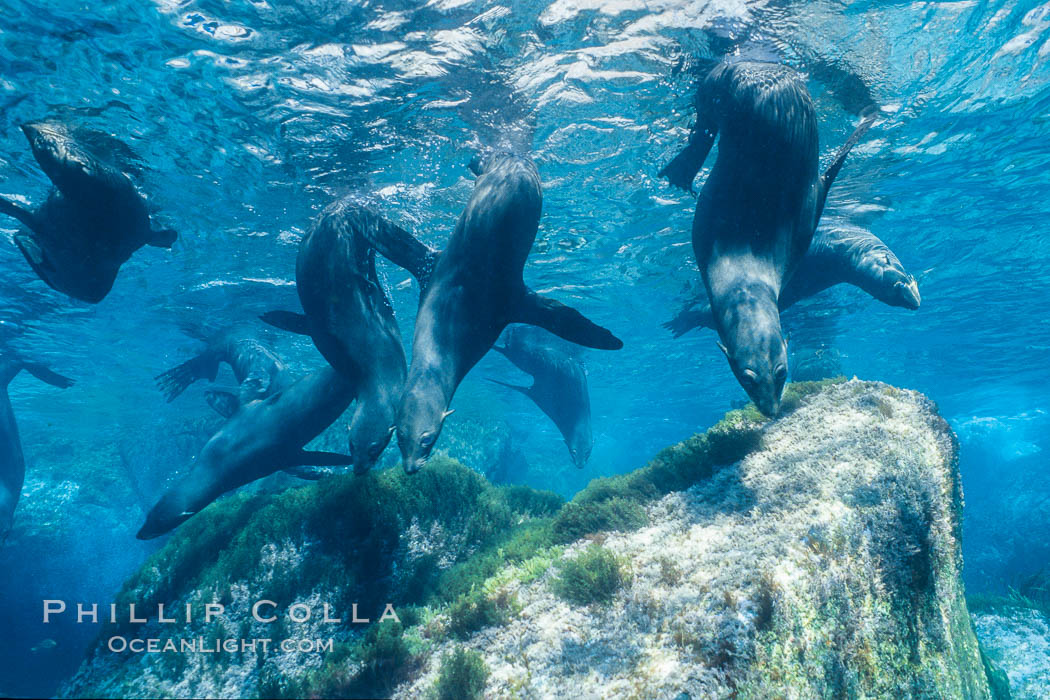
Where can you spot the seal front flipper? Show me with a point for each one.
(308, 473)
(288, 321)
(682, 169)
(47, 376)
(516, 387)
(162, 238)
(563, 321)
(224, 402)
(840, 157)
(403, 249)
(14, 210)
(321, 459)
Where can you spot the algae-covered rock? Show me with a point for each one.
(812, 556)
(824, 564)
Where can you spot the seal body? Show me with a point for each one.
(261, 438)
(559, 386)
(258, 370)
(470, 292)
(757, 211)
(839, 254)
(12, 461)
(94, 219)
(351, 320)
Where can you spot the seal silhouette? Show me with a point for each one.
(559, 386)
(93, 220)
(351, 320)
(839, 254)
(258, 370)
(757, 211)
(470, 292)
(261, 438)
(12, 462)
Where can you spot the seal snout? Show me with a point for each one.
(909, 294)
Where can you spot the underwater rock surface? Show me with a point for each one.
(1017, 641)
(816, 555)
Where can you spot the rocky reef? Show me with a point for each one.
(817, 555)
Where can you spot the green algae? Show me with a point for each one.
(592, 576)
(462, 677)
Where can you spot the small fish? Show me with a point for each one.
(44, 646)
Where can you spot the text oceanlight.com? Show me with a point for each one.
(264, 612)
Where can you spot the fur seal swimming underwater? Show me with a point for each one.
(351, 320)
(12, 463)
(839, 254)
(259, 439)
(559, 386)
(470, 292)
(757, 211)
(93, 220)
(258, 370)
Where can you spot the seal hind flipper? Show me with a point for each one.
(48, 376)
(175, 380)
(564, 321)
(321, 459)
(840, 157)
(689, 318)
(288, 321)
(224, 402)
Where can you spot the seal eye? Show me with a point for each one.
(426, 440)
(749, 377)
(374, 450)
(780, 375)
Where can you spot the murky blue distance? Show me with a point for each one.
(252, 116)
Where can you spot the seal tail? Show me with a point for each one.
(840, 159)
(175, 380)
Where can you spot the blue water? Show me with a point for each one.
(251, 116)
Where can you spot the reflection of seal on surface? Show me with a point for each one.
(470, 292)
(259, 439)
(12, 463)
(351, 320)
(757, 211)
(559, 386)
(839, 254)
(92, 221)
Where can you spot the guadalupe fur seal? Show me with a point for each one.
(559, 386)
(839, 254)
(262, 437)
(258, 370)
(93, 220)
(470, 292)
(12, 463)
(757, 211)
(350, 319)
